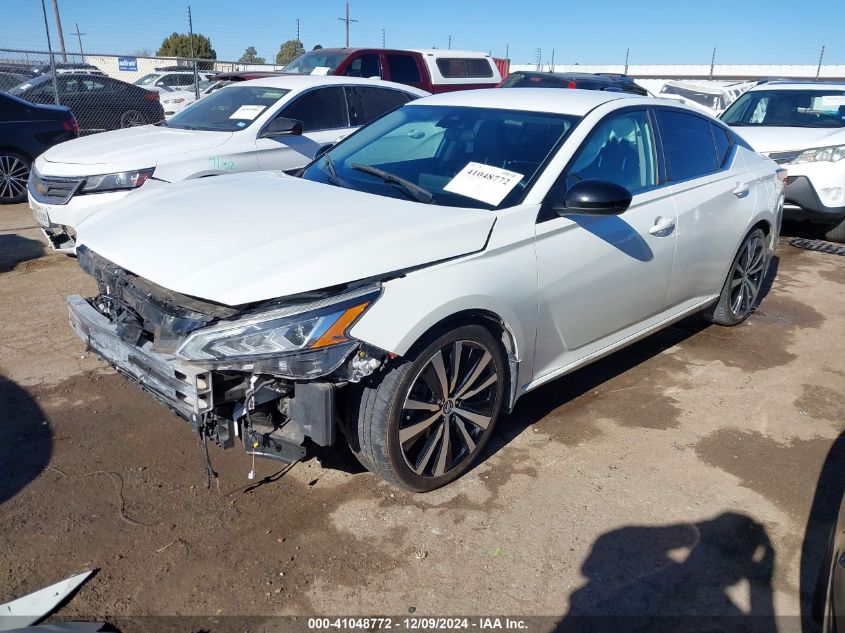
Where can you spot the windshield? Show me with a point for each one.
(463, 157)
(317, 62)
(227, 110)
(519, 80)
(788, 108)
(147, 80)
(714, 102)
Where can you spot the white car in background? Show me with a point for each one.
(176, 100)
(711, 98)
(270, 123)
(800, 125)
(171, 79)
(428, 271)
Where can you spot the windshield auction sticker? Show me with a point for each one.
(248, 112)
(483, 182)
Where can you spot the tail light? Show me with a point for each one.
(571, 84)
(152, 95)
(71, 125)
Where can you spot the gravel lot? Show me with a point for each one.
(691, 473)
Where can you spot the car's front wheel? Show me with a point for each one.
(423, 423)
(14, 174)
(742, 287)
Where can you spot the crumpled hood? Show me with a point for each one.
(250, 237)
(142, 146)
(765, 139)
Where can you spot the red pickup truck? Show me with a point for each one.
(434, 70)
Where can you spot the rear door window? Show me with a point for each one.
(687, 144)
(320, 109)
(403, 69)
(367, 103)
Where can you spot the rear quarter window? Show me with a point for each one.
(473, 68)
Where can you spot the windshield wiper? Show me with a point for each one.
(334, 179)
(415, 191)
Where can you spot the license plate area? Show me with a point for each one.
(42, 216)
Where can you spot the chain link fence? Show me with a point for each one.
(108, 92)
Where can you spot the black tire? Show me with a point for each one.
(133, 118)
(730, 309)
(439, 457)
(835, 232)
(14, 174)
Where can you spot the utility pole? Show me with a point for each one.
(819, 68)
(627, 52)
(383, 39)
(507, 51)
(297, 29)
(712, 62)
(552, 69)
(348, 21)
(79, 38)
(450, 43)
(539, 57)
(191, 40)
(59, 30)
(50, 51)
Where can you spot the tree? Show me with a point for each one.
(179, 45)
(250, 56)
(289, 51)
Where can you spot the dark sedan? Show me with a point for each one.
(580, 81)
(99, 103)
(27, 130)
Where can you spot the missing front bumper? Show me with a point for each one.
(185, 389)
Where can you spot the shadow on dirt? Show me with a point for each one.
(713, 575)
(830, 489)
(27, 443)
(15, 249)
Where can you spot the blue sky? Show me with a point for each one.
(591, 31)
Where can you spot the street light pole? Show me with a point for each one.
(59, 29)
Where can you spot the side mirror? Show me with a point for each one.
(323, 149)
(281, 126)
(594, 197)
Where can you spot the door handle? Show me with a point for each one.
(662, 226)
(741, 190)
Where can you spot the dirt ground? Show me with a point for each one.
(693, 473)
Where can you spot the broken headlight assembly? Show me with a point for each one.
(296, 342)
(116, 182)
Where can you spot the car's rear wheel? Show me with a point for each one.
(132, 118)
(742, 287)
(423, 423)
(835, 232)
(14, 174)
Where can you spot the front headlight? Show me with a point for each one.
(820, 155)
(116, 182)
(297, 341)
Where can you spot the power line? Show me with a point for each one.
(347, 20)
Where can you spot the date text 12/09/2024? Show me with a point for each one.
(417, 623)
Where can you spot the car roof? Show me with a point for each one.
(293, 81)
(575, 102)
(438, 52)
(799, 85)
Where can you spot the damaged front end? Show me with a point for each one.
(265, 373)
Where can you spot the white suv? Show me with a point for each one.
(802, 127)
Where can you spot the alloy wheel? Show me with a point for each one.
(747, 276)
(14, 174)
(132, 118)
(448, 408)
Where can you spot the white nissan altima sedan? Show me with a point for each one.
(419, 278)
